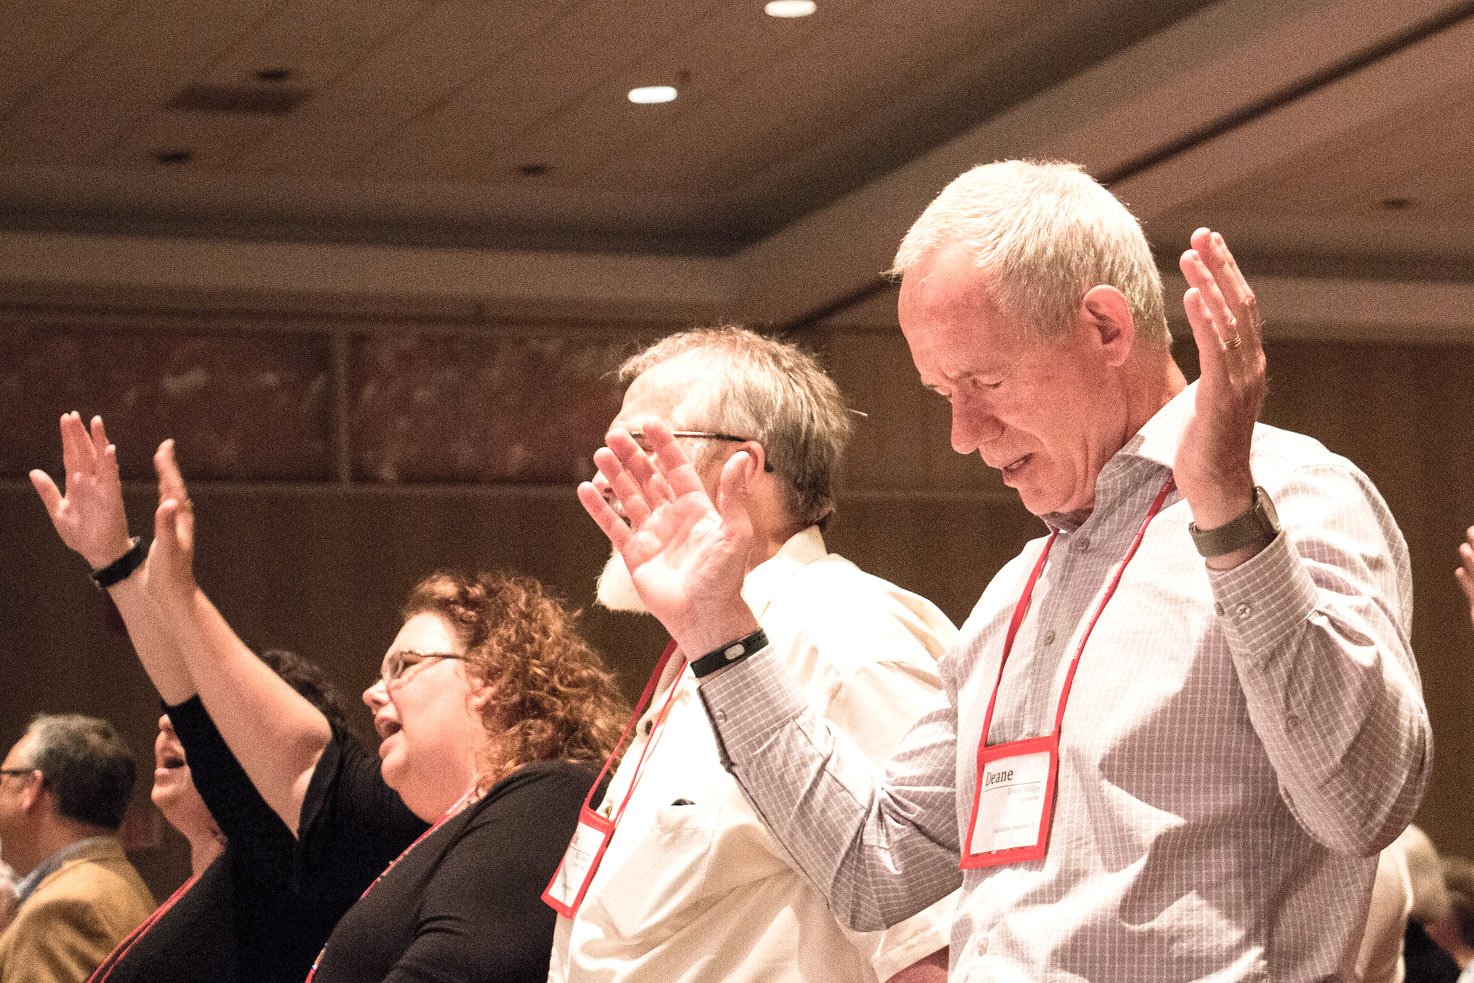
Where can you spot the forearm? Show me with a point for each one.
(1332, 691)
(867, 848)
(153, 640)
(274, 732)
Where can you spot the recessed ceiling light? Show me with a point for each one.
(790, 8)
(649, 95)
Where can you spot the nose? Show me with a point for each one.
(376, 695)
(973, 424)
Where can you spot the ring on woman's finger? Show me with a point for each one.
(1234, 341)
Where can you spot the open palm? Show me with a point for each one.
(686, 554)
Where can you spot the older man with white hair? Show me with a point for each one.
(1178, 727)
(679, 880)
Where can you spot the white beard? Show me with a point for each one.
(616, 589)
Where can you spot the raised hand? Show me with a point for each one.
(1212, 464)
(170, 568)
(686, 554)
(1465, 572)
(89, 517)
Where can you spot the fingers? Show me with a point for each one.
(621, 483)
(1465, 573)
(1225, 296)
(50, 494)
(672, 462)
(99, 437)
(75, 444)
(732, 487)
(603, 514)
(171, 480)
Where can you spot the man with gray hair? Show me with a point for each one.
(64, 788)
(673, 876)
(1179, 726)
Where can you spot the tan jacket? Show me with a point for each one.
(75, 917)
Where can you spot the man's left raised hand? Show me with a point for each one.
(1212, 466)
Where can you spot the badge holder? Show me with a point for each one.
(1013, 801)
(1013, 804)
(576, 870)
(565, 892)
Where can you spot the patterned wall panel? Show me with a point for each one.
(510, 408)
(247, 406)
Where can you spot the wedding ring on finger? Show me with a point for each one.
(1234, 341)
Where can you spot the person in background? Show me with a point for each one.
(1379, 960)
(245, 915)
(489, 705)
(64, 789)
(8, 882)
(1454, 932)
(692, 887)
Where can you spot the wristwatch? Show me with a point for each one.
(1258, 525)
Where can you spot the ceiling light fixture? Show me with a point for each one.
(651, 95)
(789, 9)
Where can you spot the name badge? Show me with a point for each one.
(1013, 804)
(580, 862)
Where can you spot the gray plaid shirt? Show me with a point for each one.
(1237, 747)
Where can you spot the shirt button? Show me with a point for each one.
(1082, 544)
(645, 726)
(1242, 612)
(1049, 637)
(721, 716)
(982, 946)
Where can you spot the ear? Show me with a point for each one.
(1106, 316)
(31, 797)
(481, 694)
(757, 460)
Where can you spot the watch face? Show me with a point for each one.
(1266, 505)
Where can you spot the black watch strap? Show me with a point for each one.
(729, 654)
(122, 568)
(1259, 524)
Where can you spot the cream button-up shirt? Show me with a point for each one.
(692, 885)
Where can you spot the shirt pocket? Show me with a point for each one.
(656, 870)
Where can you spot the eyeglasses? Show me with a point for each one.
(400, 661)
(639, 438)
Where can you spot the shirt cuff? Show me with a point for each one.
(747, 701)
(1263, 601)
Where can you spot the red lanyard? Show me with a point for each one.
(1023, 606)
(644, 702)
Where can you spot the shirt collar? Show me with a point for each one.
(1155, 445)
(765, 580)
(52, 864)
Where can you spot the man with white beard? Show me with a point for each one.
(690, 885)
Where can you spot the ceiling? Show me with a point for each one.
(480, 159)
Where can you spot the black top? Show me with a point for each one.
(1425, 960)
(249, 918)
(465, 904)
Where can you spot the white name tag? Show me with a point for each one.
(580, 862)
(1011, 804)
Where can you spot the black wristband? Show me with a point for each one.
(122, 568)
(729, 654)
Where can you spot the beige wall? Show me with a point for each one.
(321, 568)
